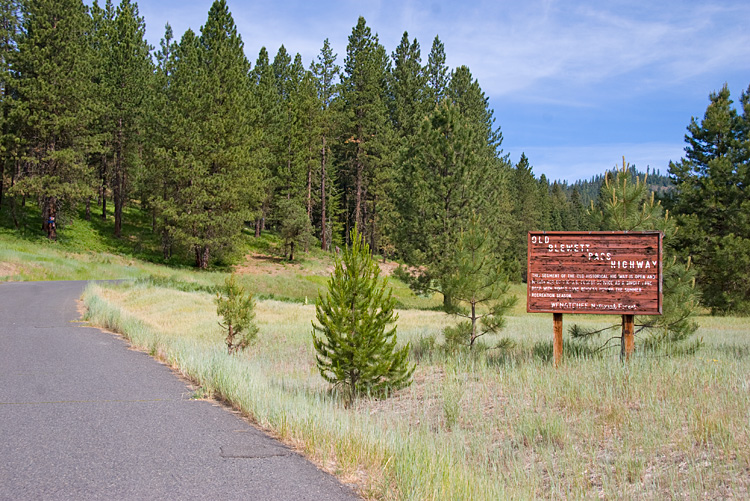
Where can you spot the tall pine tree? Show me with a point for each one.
(127, 70)
(326, 71)
(53, 106)
(627, 204)
(712, 203)
(366, 132)
(208, 162)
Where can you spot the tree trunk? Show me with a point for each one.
(365, 216)
(309, 191)
(291, 251)
(49, 213)
(358, 197)
(201, 257)
(104, 201)
(117, 195)
(13, 212)
(88, 208)
(103, 187)
(347, 221)
(45, 215)
(166, 244)
(473, 324)
(119, 187)
(373, 229)
(323, 242)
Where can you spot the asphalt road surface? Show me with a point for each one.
(84, 417)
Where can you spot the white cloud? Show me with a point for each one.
(545, 47)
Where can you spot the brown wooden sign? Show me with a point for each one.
(595, 272)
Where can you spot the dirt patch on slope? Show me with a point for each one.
(9, 270)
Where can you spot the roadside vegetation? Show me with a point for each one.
(490, 425)
(491, 422)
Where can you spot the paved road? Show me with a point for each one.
(84, 417)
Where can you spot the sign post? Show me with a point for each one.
(603, 273)
(557, 343)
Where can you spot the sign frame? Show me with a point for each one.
(588, 242)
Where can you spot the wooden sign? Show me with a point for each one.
(614, 273)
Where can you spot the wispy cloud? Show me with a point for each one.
(549, 45)
(518, 49)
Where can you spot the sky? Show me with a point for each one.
(575, 85)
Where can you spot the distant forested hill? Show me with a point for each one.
(589, 189)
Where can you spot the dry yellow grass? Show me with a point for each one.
(496, 425)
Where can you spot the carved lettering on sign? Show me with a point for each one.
(595, 272)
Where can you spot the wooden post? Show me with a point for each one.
(557, 345)
(628, 322)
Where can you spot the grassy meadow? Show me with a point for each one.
(487, 426)
(494, 424)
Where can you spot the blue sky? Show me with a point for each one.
(574, 85)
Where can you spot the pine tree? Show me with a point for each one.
(295, 229)
(214, 186)
(227, 184)
(53, 108)
(160, 182)
(545, 204)
(366, 131)
(526, 211)
(711, 202)
(355, 347)
(627, 205)
(438, 183)
(289, 170)
(561, 209)
(410, 104)
(237, 309)
(100, 159)
(267, 127)
(437, 73)
(175, 146)
(464, 91)
(326, 71)
(478, 286)
(126, 74)
(492, 196)
(9, 30)
(579, 218)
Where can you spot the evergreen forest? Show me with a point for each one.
(209, 144)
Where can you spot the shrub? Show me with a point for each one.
(238, 311)
(355, 350)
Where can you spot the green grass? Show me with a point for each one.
(87, 250)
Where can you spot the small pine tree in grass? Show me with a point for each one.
(478, 287)
(355, 349)
(238, 311)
